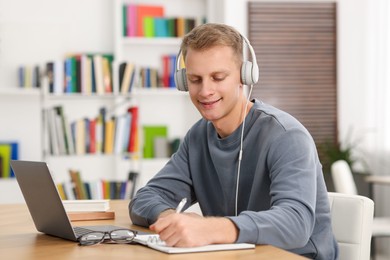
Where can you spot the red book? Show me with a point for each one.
(92, 136)
(166, 70)
(133, 142)
(147, 11)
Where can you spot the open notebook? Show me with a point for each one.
(153, 241)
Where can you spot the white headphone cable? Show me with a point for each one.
(241, 145)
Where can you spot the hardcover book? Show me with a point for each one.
(86, 205)
(147, 11)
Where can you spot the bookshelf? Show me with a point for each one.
(157, 106)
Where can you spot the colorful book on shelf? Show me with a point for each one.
(63, 133)
(102, 130)
(107, 78)
(92, 135)
(180, 28)
(49, 73)
(127, 79)
(51, 130)
(121, 72)
(109, 135)
(133, 135)
(124, 20)
(79, 135)
(99, 134)
(100, 189)
(160, 27)
(58, 81)
(171, 27)
(144, 11)
(87, 139)
(86, 74)
(9, 150)
(79, 186)
(131, 20)
(121, 133)
(148, 24)
(78, 75)
(150, 133)
(71, 75)
(172, 70)
(166, 70)
(5, 154)
(98, 68)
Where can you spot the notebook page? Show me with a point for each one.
(154, 242)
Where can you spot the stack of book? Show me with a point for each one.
(78, 210)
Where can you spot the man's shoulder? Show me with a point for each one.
(279, 118)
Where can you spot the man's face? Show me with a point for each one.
(214, 86)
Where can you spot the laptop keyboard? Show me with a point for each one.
(79, 231)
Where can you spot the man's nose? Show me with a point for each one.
(207, 87)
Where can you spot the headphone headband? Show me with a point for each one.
(249, 69)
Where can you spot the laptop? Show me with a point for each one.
(44, 202)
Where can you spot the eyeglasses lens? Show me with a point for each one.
(92, 238)
(122, 236)
(118, 236)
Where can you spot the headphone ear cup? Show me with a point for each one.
(249, 73)
(181, 80)
(255, 73)
(246, 71)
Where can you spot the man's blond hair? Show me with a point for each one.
(210, 35)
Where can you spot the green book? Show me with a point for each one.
(5, 154)
(148, 26)
(124, 20)
(150, 134)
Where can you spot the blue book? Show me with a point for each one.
(68, 75)
(160, 27)
(14, 155)
(172, 70)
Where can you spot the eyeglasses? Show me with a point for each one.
(120, 236)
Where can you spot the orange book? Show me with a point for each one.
(147, 11)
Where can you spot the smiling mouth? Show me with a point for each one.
(210, 103)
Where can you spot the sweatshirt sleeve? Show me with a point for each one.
(164, 191)
(293, 165)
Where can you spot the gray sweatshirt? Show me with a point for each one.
(282, 197)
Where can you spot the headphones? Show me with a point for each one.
(249, 70)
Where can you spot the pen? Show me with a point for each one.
(180, 207)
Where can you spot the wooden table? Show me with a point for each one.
(20, 240)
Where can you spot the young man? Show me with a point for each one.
(280, 199)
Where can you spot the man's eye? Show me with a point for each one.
(218, 79)
(194, 81)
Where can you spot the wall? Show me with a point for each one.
(42, 30)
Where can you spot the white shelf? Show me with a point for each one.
(15, 91)
(158, 92)
(136, 92)
(174, 41)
